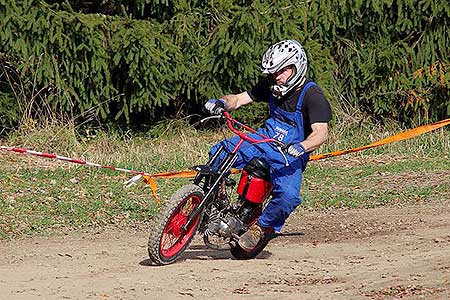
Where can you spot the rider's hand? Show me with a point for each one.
(215, 106)
(296, 150)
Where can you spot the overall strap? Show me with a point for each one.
(271, 103)
(302, 95)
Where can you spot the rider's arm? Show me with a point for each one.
(319, 112)
(235, 101)
(317, 137)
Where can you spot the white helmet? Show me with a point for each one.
(283, 54)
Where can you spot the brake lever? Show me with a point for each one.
(280, 146)
(283, 152)
(211, 117)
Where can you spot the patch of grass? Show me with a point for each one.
(36, 200)
(381, 180)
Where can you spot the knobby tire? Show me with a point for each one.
(169, 222)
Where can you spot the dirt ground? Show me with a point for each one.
(400, 252)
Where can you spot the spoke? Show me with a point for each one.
(164, 241)
(169, 241)
(187, 208)
(175, 224)
(174, 238)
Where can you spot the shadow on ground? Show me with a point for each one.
(202, 252)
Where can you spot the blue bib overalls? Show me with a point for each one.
(286, 127)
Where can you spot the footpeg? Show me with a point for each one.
(203, 169)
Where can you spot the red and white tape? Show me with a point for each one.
(76, 161)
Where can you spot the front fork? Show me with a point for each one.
(211, 180)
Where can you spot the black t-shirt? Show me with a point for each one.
(315, 107)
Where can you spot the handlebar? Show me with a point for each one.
(242, 135)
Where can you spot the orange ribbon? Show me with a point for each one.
(395, 138)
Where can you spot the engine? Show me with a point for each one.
(253, 189)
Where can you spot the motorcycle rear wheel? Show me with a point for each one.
(167, 240)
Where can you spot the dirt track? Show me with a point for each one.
(383, 253)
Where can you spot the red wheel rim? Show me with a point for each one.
(174, 238)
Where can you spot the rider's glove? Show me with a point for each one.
(296, 150)
(215, 106)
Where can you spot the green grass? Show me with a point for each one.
(39, 196)
(386, 180)
(35, 200)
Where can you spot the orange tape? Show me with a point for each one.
(151, 182)
(395, 138)
(182, 174)
(176, 174)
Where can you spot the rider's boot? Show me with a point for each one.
(255, 234)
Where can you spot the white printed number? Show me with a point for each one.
(279, 136)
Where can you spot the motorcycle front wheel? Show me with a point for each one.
(168, 240)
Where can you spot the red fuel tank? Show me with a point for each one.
(252, 188)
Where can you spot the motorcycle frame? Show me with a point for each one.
(212, 179)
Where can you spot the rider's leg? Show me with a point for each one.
(245, 153)
(285, 196)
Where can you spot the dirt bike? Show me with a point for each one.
(205, 206)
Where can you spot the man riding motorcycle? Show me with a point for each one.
(299, 116)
